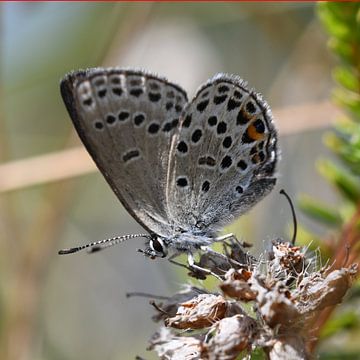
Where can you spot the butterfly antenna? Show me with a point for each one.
(282, 191)
(102, 244)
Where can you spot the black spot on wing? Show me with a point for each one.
(131, 154)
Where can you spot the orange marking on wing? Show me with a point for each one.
(254, 134)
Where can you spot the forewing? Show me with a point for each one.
(126, 119)
(224, 156)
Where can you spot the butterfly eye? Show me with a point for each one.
(158, 246)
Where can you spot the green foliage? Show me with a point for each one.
(344, 321)
(346, 143)
(340, 355)
(342, 23)
(321, 212)
(347, 185)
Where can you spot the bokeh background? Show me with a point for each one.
(51, 196)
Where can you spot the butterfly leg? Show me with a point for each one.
(225, 237)
(195, 269)
(225, 258)
(234, 245)
(209, 250)
(200, 269)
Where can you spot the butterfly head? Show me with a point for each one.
(156, 248)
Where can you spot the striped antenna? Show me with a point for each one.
(102, 244)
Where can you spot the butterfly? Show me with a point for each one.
(183, 169)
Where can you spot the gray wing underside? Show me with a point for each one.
(126, 119)
(223, 158)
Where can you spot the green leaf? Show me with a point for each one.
(347, 184)
(345, 142)
(340, 20)
(321, 212)
(349, 100)
(333, 23)
(346, 78)
(343, 12)
(343, 50)
(333, 142)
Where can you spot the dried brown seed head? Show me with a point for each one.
(236, 285)
(327, 289)
(275, 305)
(287, 258)
(231, 336)
(171, 347)
(200, 312)
(286, 292)
(170, 306)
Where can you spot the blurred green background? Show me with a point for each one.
(75, 307)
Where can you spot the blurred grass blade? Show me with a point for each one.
(347, 184)
(348, 100)
(321, 212)
(346, 144)
(343, 50)
(346, 78)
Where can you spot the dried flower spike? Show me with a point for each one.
(286, 294)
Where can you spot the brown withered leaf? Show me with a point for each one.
(200, 312)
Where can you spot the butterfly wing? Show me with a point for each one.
(224, 156)
(126, 119)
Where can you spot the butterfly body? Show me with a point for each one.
(182, 169)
